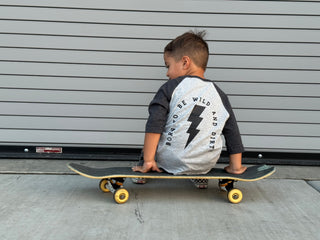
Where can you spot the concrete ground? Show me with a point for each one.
(43, 199)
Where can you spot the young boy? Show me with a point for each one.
(188, 115)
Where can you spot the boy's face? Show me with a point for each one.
(175, 68)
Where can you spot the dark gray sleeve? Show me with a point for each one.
(159, 107)
(231, 130)
(158, 111)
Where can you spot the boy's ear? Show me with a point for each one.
(186, 62)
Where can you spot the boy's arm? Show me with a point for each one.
(235, 166)
(151, 141)
(233, 139)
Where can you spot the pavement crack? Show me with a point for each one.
(139, 215)
(314, 185)
(137, 210)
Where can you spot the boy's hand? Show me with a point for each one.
(235, 166)
(231, 170)
(147, 167)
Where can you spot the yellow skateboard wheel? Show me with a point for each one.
(103, 184)
(121, 196)
(234, 195)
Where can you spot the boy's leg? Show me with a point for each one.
(200, 183)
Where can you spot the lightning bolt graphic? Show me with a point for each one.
(195, 120)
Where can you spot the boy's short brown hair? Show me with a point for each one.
(190, 44)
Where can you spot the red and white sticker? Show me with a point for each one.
(48, 150)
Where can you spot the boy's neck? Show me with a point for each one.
(198, 72)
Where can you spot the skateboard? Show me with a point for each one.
(112, 178)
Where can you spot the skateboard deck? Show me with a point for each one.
(112, 178)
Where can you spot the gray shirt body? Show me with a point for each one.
(192, 114)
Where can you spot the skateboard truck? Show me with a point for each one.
(115, 185)
(226, 184)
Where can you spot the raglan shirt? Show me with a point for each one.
(192, 114)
